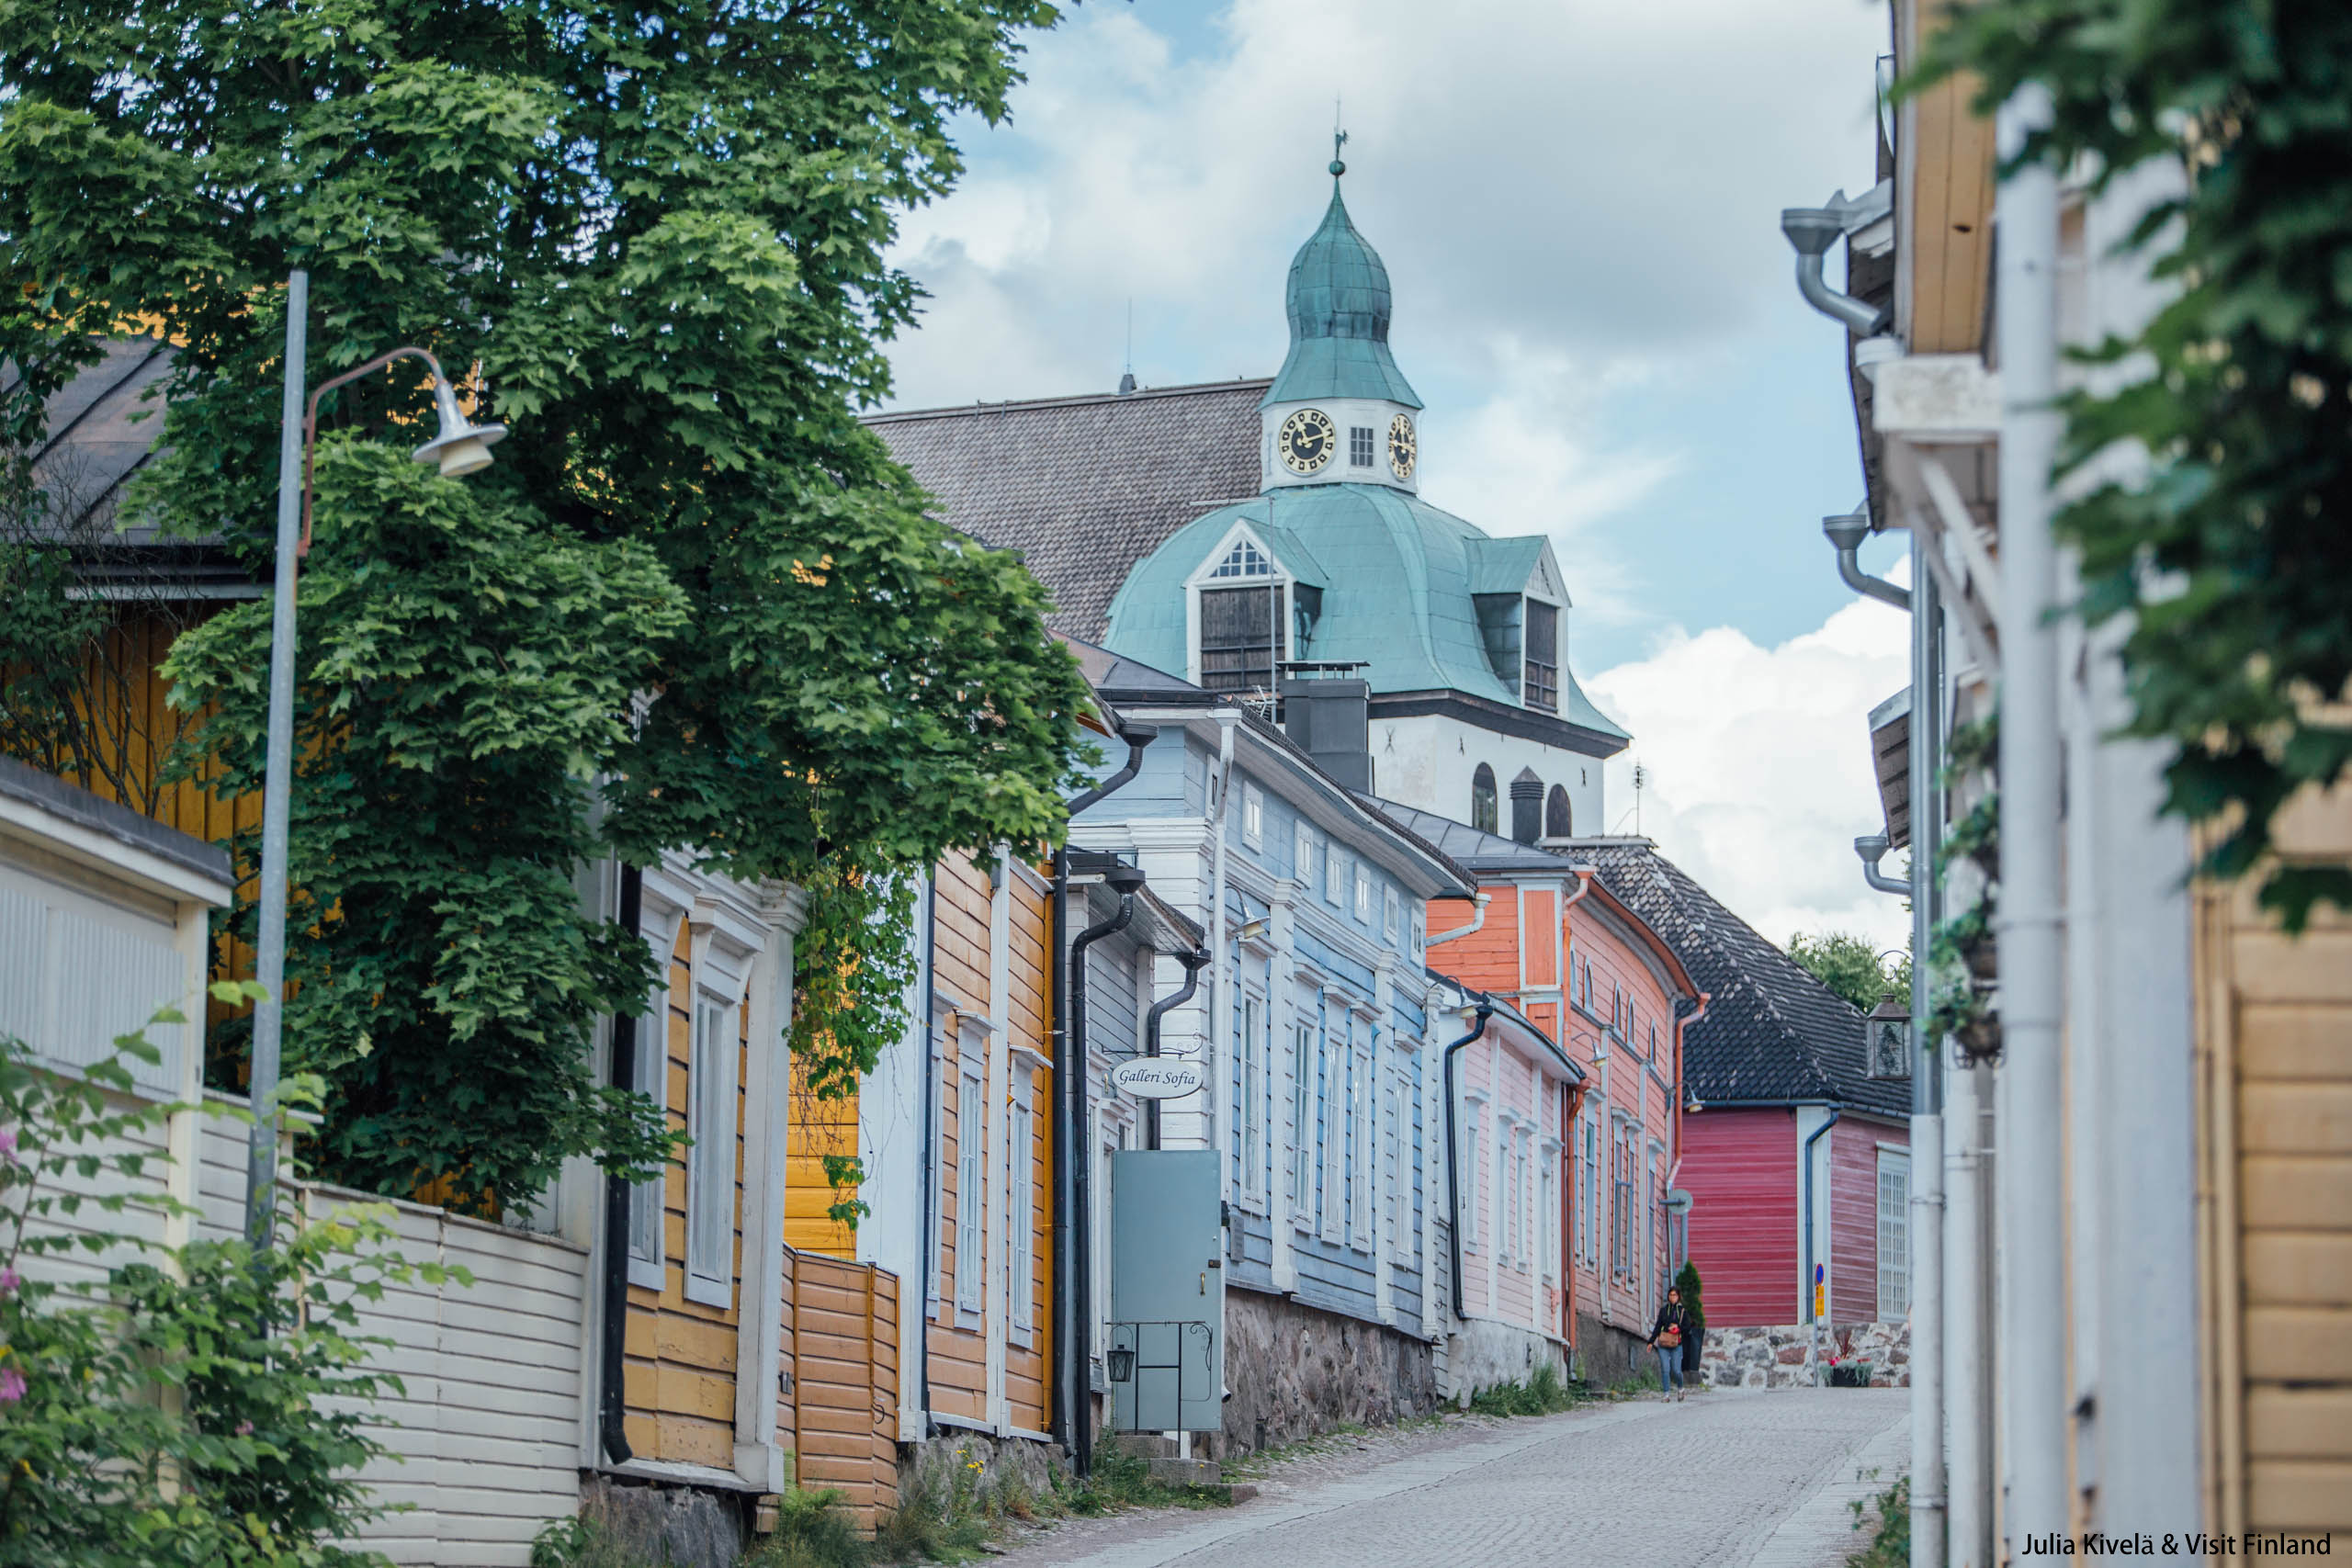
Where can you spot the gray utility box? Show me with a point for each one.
(1167, 1353)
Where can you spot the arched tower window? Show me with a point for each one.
(1483, 814)
(1558, 821)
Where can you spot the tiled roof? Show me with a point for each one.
(1083, 487)
(100, 429)
(1771, 1034)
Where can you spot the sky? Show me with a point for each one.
(1578, 202)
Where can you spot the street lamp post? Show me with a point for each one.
(460, 448)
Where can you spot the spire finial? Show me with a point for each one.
(1339, 140)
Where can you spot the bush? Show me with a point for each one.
(1540, 1393)
(176, 1408)
(812, 1530)
(1890, 1543)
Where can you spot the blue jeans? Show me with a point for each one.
(1669, 1368)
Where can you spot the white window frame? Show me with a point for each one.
(1335, 877)
(1894, 1226)
(971, 1180)
(1304, 1054)
(935, 1086)
(1332, 1211)
(1393, 1151)
(1020, 1159)
(1363, 896)
(1420, 934)
(713, 1121)
(1253, 815)
(1205, 578)
(1548, 1207)
(1474, 1129)
(1391, 913)
(1364, 1225)
(1302, 852)
(647, 1199)
(1254, 1025)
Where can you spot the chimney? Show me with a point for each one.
(1330, 720)
(1526, 807)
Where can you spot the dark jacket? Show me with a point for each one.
(1673, 1313)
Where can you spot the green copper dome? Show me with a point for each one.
(1337, 300)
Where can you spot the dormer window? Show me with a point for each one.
(1541, 687)
(1247, 614)
(1243, 560)
(1239, 638)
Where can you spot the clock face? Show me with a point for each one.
(1401, 449)
(1306, 441)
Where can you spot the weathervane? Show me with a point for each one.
(1339, 140)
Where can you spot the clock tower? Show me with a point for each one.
(1340, 412)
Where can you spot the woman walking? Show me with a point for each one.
(1667, 1334)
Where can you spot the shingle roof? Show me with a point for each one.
(1083, 487)
(1772, 1032)
(101, 428)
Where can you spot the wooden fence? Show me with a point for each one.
(841, 1410)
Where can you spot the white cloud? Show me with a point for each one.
(1757, 766)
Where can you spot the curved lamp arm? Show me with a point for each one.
(462, 447)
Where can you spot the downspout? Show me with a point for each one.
(929, 1133)
(612, 1399)
(1870, 848)
(1064, 1400)
(1081, 1183)
(1583, 875)
(1485, 1011)
(1928, 1391)
(2029, 1171)
(1477, 923)
(1193, 963)
(1682, 1021)
(1846, 533)
(1804, 1172)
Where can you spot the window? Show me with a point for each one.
(1483, 813)
(1547, 1216)
(1420, 935)
(1302, 865)
(1559, 821)
(1253, 815)
(1354, 1155)
(1473, 1140)
(1542, 689)
(710, 1160)
(1391, 913)
(645, 1199)
(1894, 1236)
(1512, 1243)
(1360, 446)
(1363, 897)
(1302, 1124)
(1332, 1053)
(1589, 1192)
(1393, 1147)
(1365, 1108)
(1653, 1040)
(1245, 559)
(971, 1140)
(1021, 1205)
(1335, 877)
(1248, 1104)
(1239, 638)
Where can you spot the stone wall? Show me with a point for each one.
(958, 1465)
(1296, 1371)
(1480, 1354)
(1608, 1355)
(1776, 1358)
(689, 1526)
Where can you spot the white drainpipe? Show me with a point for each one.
(1967, 1362)
(2031, 1171)
(1927, 1101)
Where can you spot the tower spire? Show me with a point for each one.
(1339, 140)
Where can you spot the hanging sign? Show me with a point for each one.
(1158, 1077)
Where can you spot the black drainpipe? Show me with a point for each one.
(1081, 1183)
(930, 1136)
(1805, 1157)
(1452, 1159)
(612, 1396)
(1064, 1400)
(1193, 963)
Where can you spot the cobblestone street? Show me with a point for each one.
(1735, 1480)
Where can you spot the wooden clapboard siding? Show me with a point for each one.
(678, 1377)
(1030, 1347)
(957, 1339)
(819, 1127)
(845, 1417)
(1853, 1217)
(1744, 1236)
(2275, 1083)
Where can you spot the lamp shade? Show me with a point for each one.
(1889, 1053)
(462, 447)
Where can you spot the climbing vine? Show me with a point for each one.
(2233, 554)
(853, 964)
(1964, 960)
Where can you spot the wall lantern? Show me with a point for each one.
(1889, 1038)
(1122, 1358)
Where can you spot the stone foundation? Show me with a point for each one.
(973, 1464)
(1296, 1371)
(1480, 1354)
(653, 1522)
(1775, 1357)
(1608, 1354)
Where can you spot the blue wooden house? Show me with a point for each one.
(1311, 1017)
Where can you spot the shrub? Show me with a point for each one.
(196, 1406)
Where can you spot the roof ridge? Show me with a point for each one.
(1069, 400)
